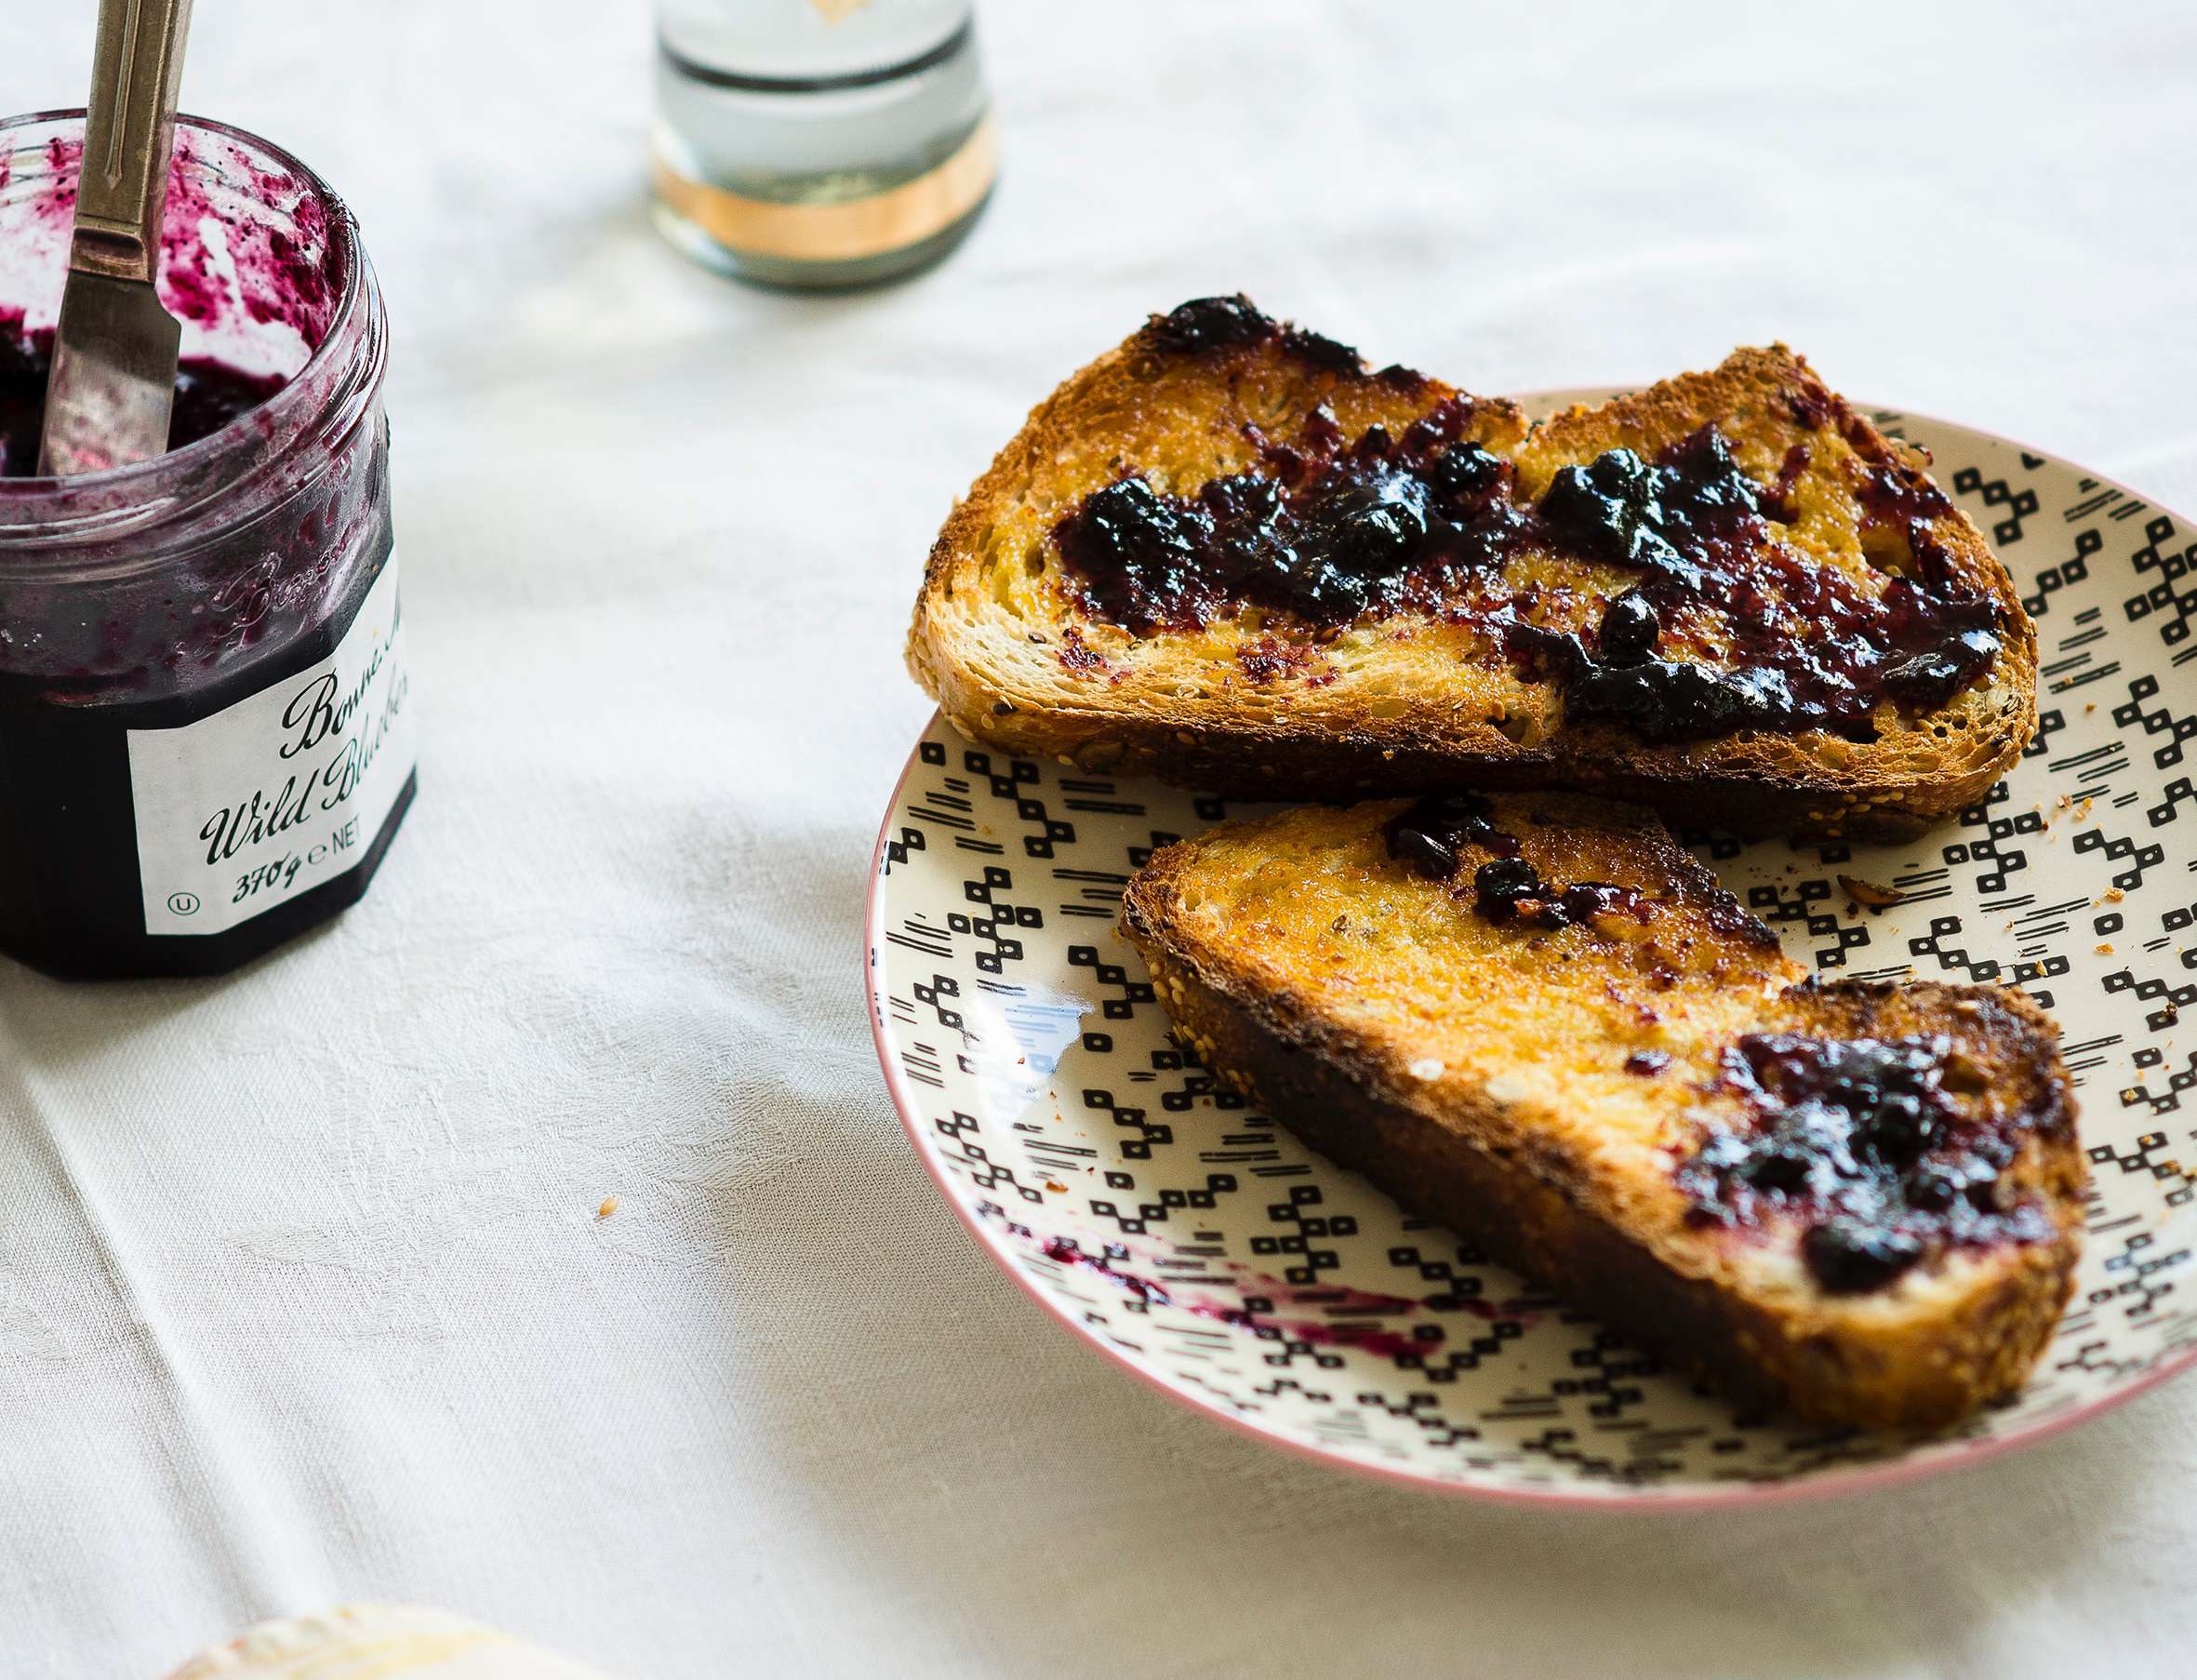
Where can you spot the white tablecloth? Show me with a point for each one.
(303, 1295)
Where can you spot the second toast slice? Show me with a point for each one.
(1539, 1019)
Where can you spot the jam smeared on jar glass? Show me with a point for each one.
(1726, 627)
(208, 395)
(1863, 1143)
(171, 813)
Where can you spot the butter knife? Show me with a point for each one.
(113, 380)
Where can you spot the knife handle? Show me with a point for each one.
(128, 133)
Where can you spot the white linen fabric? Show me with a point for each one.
(304, 1296)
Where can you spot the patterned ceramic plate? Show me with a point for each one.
(1189, 1237)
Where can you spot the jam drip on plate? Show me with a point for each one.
(1726, 628)
(1864, 1143)
(208, 395)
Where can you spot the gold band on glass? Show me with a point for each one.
(836, 232)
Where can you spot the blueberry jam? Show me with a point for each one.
(208, 395)
(1810, 650)
(1511, 889)
(1431, 838)
(1206, 324)
(1864, 1143)
(1324, 533)
(1256, 1314)
(1726, 628)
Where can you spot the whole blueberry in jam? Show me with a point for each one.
(1358, 534)
(1426, 855)
(1849, 1257)
(1209, 323)
(1464, 470)
(1502, 884)
(1583, 900)
(1630, 628)
(1427, 836)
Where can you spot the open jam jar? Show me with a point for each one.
(205, 735)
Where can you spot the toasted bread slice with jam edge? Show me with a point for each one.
(1231, 555)
(1536, 1019)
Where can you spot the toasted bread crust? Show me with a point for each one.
(1548, 1200)
(1395, 707)
(1924, 1377)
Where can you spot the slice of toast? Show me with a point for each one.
(1538, 1020)
(1228, 554)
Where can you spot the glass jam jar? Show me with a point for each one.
(820, 143)
(205, 735)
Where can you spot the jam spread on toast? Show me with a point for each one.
(1432, 836)
(1863, 1142)
(1809, 649)
(1511, 889)
(1205, 324)
(1322, 531)
(1726, 626)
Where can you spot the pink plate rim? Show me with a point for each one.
(1823, 1484)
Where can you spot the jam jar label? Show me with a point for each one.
(285, 790)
